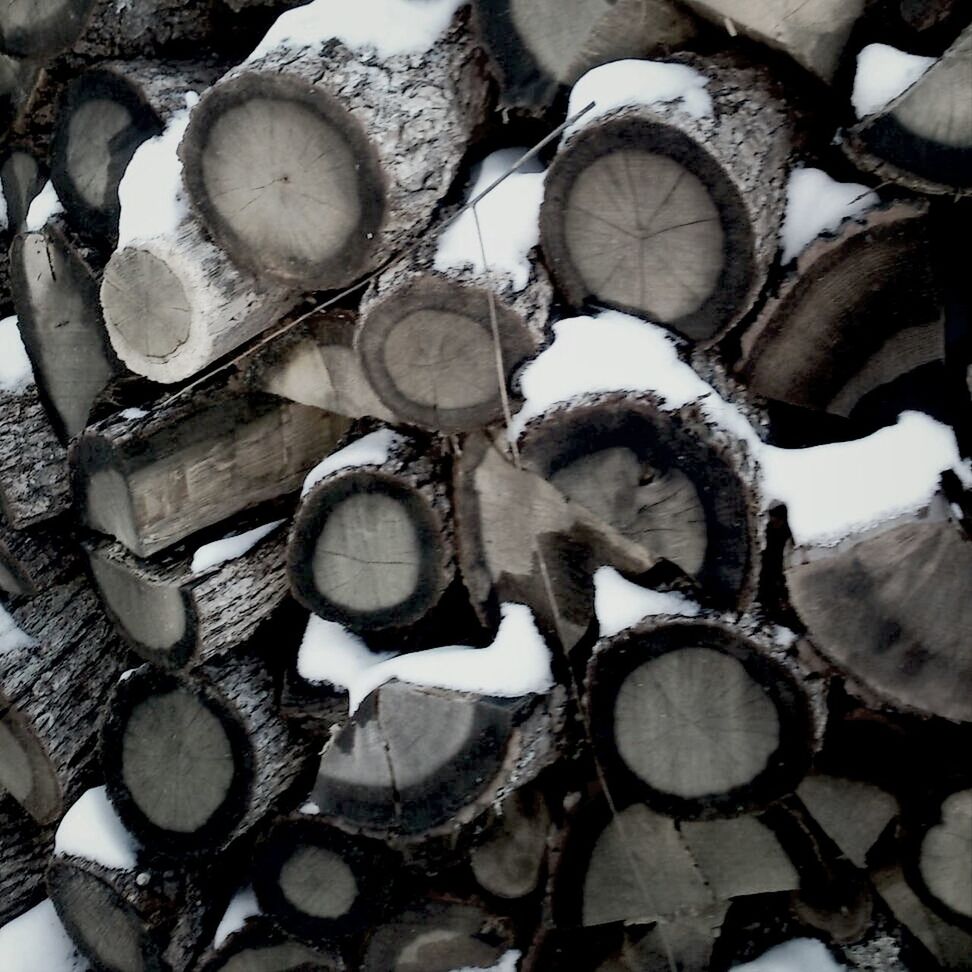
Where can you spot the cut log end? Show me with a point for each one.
(428, 351)
(31, 28)
(311, 215)
(945, 856)
(368, 550)
(25, 770)
(660, 231)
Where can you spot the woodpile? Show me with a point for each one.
(485, 485)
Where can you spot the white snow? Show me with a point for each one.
(12, 637)
(153, 201)
(798, 955)
(45, 205)
(635, 82)
(516, 663)
(817, 204)
(509, 218)
(830, 491)
(229, 548)
(883, 73)
(508, 962)
(37, 942)
(618, 603)
(133, 413)
(388, 27)
(370, 450)
(91, 829)
(16, 373)
(4, 218)
(243, 905)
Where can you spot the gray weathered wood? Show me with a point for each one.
(24, 850)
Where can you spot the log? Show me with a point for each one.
(814, 34)
(67, 650)
(24, 849)
(416, 762)
(44, 27)
(883, 605)
(738, 736)
(371, 545)
(942, 867)
(105, 114)
(176, 616)
(262, 947)
(22, 177)
(315, 363)
(320, 884)
(192, 763)
(666, 480)
(152, 479)
(858, 314)
(438, 936)
(657, 210)
(923, 139)
(35, 561)
(54, 280)
(536, 47)
(426, 325)
(347, 180)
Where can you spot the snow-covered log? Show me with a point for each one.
(370, 113)
(665, 200)
(150, 479)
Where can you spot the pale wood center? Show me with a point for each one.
(91, 129)
(318, 882)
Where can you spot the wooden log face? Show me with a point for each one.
(317, 202)
(639, 217)
(945, 856)
(32, 27)
(429, 353)
(692, 720)
(22, 179)
(25, 771)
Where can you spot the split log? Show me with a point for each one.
(152, 479)
(371, 545)
(860, 311)
(176, 616)
(694, 719)
(37, 560)
(34, 481)
(814, 34)
(416, 762)
(358, 160)
(887, 606)
(22, 177)
(47, 748)
(663, 212)
(105, 114)
(438, 936)
(262, 947)
(666, 480)
(193, 763)
(19, 80)
(315, 363)
(320, 884)
(537, 46)
(55, 292)
(942, 868)
(24, 850)
(923, 139)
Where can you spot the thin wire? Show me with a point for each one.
(361, 284)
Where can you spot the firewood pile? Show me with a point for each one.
(485, 485)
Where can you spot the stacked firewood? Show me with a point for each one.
(476, 493)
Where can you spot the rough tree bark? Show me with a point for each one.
(25, 849)
(34, 561)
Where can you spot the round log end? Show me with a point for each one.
(25, 770)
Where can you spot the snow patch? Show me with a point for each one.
(635, 82)
(37, 942)
(798, 955)
(11, 636)
(619, 603)
(883, 73)
(817, 204)
(373, 449)
(516, 663)
(4, 217)
(387, 27)
(133, 413)
(153, 201)
(16, 374)
(243, 905)
(229, 548)
(45, 205)
(509, 218)
(91, 829)
(508, 962)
